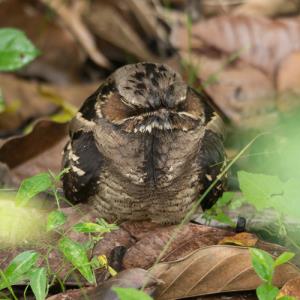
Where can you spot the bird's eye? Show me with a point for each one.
(115, 110)
(181, 106)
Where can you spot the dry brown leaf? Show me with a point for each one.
(243, 239)
(74, 23)
(50, 37)
(147, 17)
(50, 159)
(268, 8)
(213, 270)
(110, 22)
(291, 289)
(258, 41)
(45, 134)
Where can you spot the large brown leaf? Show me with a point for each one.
(259, 41)
(213, 270)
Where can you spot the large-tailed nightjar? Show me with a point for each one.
(144, 146)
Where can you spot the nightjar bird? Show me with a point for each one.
(144, 146)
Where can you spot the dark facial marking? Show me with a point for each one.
(139, 76)
(88, 110)
(151, 144)
(107, 88)
(150, 69)
(141, 86)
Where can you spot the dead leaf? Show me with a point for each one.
(213, 270)
(111, 23)
(243, 239)
(44, 135)
(268, 8)
(258, 41)
(291, 289)
(74, 23)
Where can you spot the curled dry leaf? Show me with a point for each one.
(48, 36)
(258, 41)
(291, 289)
(36, 152)
(244, 239)
(44, 135)
(212, 270)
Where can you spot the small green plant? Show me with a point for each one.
(23, 269)
(131, 294)
(264, 265)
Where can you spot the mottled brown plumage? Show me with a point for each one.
(144, 146)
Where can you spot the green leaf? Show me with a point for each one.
(89, 227)
(16, 50)
(225, 199)
(258, 188)
(265, 191)
(267, 292)
(38, 283)
(263, 264)
(55, 219)
(2, 102)
(76, 254)
(32, 186)
(18, 268)
(284, 258)
(131, 294)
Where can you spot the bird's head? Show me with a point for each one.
(144, 97)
